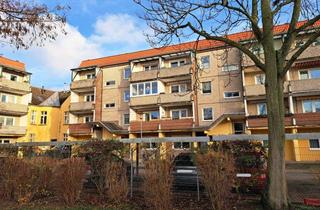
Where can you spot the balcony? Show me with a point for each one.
(163, 125)
(80, 129)
(259, 90)
(13, 130)
(19, 88)
(305, 86)
(176, 73)
(170, 98)
(81, 86)
(144, 76)
(299, 119)
(81, 107)
(13, 109)
(144, 100)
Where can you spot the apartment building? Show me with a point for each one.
(302, 101)
(15, 92)
(48, 116)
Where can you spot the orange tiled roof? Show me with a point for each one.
(202, 45)
(12, 64)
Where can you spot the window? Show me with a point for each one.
(150, 67)
(299, 43)
(235, 94)
(177, 63)
(178, 114)
(126, 96)
(4, 141)
(309, 74)
(33, 117)
(32, 137)
(260, 79)
(153, 115)
(207, 114)
(317, 42)
(205, 61)
(314, 144)
(43, 118)
(66, 118)
(111, 105)
(88, 119)
(257, 50)
(91, 76)
(262, 109)
(145, 88)
(7, 121)
(4, 98)
(238, 128)
(181, 145)
(127, 73)
(311, 106)
(65, 137)
(181, 88)
(89, 98)
(151, 145)
(227, 68)
(110, 83)
(126, 119)
(13, 78)
(206, 87)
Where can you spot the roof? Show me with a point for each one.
(201, 45)
(63, 95)
(39, 95)
(17, 65)
(112, 127)
(223, 117)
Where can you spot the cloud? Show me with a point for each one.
(118, 28)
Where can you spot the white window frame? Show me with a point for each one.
(224, 94)
(124, 96)
(5, 119)
(66, 117)
(203, 114)
(90, 117)
(124, 73)
(180, 117)
(123, 119)
(144, 89)
(90, 97)
(207, 65)
(313, 107)
(147, 146)
(309, 73)
(144, 115)
(181, 146)
(256, 79)
(234, 67)
(65, 137)
(109, 107)
(179, 88)
(178, 62)
(150, 67)
(44, 115)
(33, 117)
(6, 98)
(202, 88)
(310, 145)
(90, 75)
(258, 110)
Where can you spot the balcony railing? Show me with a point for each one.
(175, 97)
(299, 119)
(19, 88)
(81, 107)
(80, 129)
(259, 90)
(144, 100)
(306, 85)
(82, 85)
(163, 125)
(144, 75)
(13, 109)
(13, 130)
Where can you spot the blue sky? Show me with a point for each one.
(95, 28)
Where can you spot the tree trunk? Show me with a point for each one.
(276, 193)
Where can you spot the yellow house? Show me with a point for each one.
(48, 116)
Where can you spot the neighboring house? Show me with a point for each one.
(15, 95)
(162, 93)
(48, 116)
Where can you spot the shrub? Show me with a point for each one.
(217, 171)
(158, 182)
(69, 176)
(116, 181)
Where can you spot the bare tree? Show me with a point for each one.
(23, 23)
(172, 20)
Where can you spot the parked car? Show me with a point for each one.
(251, 171)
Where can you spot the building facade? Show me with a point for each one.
(15, 92)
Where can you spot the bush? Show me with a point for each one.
(116, 181)
(217, 171)
(68, 179)
(158, 182)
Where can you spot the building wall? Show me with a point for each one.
(63, 127)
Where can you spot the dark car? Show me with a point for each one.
(251, 172)
(185, 172)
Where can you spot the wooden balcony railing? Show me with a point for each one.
(155, 125)
(79, 129)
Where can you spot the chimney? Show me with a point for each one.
(42, 90)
